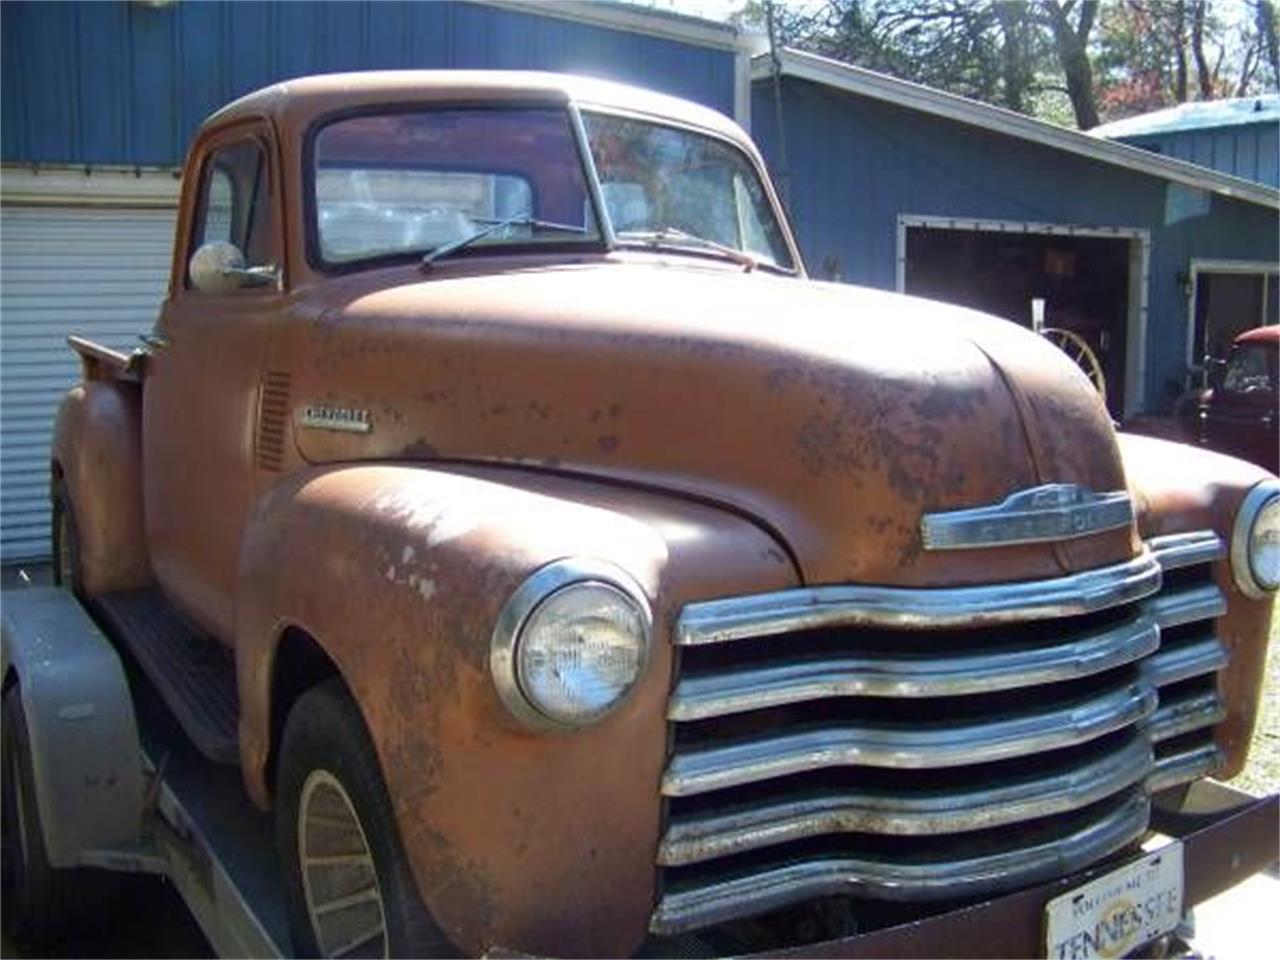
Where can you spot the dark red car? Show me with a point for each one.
(1238, 413)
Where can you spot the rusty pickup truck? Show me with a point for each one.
(561, 571)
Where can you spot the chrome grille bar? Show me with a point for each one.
(1187, 549)
(979, 733)
(785, 611)
(921, 747)
(1184, 766)
(696, 839)
(775, 684)
(1206, 655)
(1186, 606)
(1186, 714)
(788, 883)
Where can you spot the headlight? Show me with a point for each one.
(570, 643)
(1255, 541)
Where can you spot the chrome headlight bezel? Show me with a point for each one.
(1243, 571)
(539, 587)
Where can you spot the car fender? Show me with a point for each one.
(399, 572)
(1178, 488)
(85, 753)
(97, 454)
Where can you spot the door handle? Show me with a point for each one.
(154, 342)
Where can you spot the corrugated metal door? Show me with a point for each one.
(97, 272)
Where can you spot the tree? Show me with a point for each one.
(1264, 17)
(1108, 60)
(1072, 43)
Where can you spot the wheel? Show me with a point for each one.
(66, 543)
(348, 886)
(34, 893)
(1081, 354)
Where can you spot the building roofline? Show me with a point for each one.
(667, 24)
(1261, 110)
(914, 96)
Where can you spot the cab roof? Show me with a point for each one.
(295, 104)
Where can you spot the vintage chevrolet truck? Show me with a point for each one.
(569, 574)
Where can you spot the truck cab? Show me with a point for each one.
(565, 572)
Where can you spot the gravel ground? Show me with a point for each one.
(1261, 776)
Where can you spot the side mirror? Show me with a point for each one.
(218, 267)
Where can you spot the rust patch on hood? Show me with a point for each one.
(836, 416)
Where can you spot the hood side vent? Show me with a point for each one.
(273, 419)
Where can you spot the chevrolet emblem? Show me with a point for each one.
(1055, 511)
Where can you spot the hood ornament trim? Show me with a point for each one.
(1055, 511)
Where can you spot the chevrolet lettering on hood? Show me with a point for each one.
(343, 419)
(1055, 511)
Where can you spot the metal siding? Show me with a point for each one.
(1250, 151)
(47, 70)
(200, 45)
(103, 80)
(1268, 155)
(856, 164)
(128, 83)
(13, 114)
(153, 95)
(389, 35)
(247, 63)
(96, 272)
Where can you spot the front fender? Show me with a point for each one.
(535, 841)
(1178, 488)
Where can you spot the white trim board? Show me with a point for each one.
(913, 96)
(29, 185)
(1135, 352)
(635, 19)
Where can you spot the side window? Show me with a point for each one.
(235, 203)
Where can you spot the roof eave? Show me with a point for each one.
(914, 96)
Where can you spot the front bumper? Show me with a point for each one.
(1227, 836)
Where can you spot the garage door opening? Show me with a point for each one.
(1092, 283)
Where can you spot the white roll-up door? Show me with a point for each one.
(98, 272)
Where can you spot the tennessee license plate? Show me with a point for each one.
(1111, 915)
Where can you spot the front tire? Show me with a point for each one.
(348, 886)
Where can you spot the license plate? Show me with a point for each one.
(1111, 915)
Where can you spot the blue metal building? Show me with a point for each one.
(129, 82)
(98, 102)
(1240, 137)
(890, 184)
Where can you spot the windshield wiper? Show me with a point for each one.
(673, 236)
(520, 220)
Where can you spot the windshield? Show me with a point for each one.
(392, 184)
(432, 183)
(1251, 368)
(671, 186)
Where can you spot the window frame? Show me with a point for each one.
(226, 140)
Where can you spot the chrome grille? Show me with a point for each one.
(901, 744)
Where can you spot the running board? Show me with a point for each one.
(194, 674)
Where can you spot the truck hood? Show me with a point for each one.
(833, 416)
